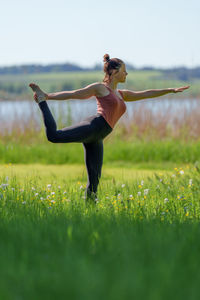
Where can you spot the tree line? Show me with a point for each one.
(180, 73)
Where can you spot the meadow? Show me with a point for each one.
(139, 239)
(14, 87)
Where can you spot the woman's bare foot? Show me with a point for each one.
(39, 95)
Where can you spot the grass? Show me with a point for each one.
(138, 241)
(116, 150)
(71, 174)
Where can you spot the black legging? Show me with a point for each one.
(91, 133)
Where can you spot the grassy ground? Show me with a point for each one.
(71, 173)
(139, 240)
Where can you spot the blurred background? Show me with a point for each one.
(60, 46)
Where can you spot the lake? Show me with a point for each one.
(72, 111)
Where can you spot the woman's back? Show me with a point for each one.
(111, 107)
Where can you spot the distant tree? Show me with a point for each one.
(181, 73)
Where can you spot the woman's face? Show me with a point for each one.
(121, 74)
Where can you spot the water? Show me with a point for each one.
(73, 111)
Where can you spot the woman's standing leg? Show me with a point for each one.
(94, 162)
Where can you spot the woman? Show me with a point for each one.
(92, 131)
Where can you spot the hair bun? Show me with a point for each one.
(106, 58)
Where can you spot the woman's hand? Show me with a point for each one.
(181, 89)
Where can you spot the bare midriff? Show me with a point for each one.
(111, 107)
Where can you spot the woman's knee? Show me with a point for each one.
(52, 137)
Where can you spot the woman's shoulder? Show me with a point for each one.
(101, 89)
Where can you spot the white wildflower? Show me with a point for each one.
(190, 182)
(123, 185)
(4, 185)
(81, 187)
(166, 200)
(24, 202)
(41, 198)
(36, 194)
(181, 172)
(48, 186)
(52, 193)
(33, 188)
(146, 191)
(142, 182)
(139, 193)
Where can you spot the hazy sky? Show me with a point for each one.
(160, 33)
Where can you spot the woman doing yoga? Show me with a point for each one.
(92, 130)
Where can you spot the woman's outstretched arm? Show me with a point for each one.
(134, 96)
(83, 93)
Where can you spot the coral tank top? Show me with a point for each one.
(111, 107)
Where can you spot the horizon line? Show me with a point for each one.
(94, 65)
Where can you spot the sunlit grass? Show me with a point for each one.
(170, 196)
(70, 173)
(142, 231)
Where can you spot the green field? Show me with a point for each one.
(16, 86)
(140, 239)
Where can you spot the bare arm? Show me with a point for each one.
(83, 93)
(134, 96)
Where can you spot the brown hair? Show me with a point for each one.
(110, 65)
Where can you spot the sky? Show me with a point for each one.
(158, 33)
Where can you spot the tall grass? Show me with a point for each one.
(144, 136)
(141, 123)
(130, 152)
(139, 240)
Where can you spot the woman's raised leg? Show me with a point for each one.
(85, 131)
